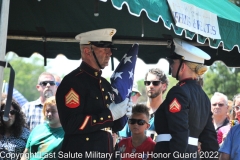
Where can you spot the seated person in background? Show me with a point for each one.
(46, 139)
(13, 133)
(139, 142)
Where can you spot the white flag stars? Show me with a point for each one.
(129, 91)
(122, 78)
(127, 59)
(130, 74)
(118, 74)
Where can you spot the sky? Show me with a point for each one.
(62, 66)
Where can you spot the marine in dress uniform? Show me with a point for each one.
(85, 102)
(185, 118)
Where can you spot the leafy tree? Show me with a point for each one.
(26, 76)
(220, 78)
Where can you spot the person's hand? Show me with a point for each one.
(119, 110)
(129, 109)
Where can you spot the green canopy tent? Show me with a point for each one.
(49, 27)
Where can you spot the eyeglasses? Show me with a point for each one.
(219, 104)
(155, 83)
(12, 112)
(236, 108)
(138, 121)
(133, 94)
(44, 83)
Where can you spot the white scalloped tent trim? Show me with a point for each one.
(171, 26)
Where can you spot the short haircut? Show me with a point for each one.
(218, 94)
(43, 74)
(51, 101)
(141, 108)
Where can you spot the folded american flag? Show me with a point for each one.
(122, 81)
(122, 78)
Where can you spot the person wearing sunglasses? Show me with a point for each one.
(229, 149)
(45, 140)
(219, 107)
(46, 87)
(138, 143)
(156, 83)
(185, 118)
(14, 132)
(85, 99)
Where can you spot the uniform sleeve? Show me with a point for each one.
(80, 110)
(177, 119)
(119, 124)
(208, 139)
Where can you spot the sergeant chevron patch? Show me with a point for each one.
(72, 99)
(175, 106)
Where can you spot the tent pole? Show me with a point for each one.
(3, 36)
(115, 41)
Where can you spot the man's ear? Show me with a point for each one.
(164, 86)
(86, 51)
(38, 86)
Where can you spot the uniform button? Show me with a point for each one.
(102, 89)
(106, 97)
(87, 139)
(100, 81)
(109, 116)
(107, 105)
(96, 97)
(101, 118)
(94, 121)
(96, 73)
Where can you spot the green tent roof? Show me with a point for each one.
(49, 27)
(228, 18)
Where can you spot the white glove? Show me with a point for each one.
(119, 110)
(129, 109)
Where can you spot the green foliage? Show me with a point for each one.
(26, 76)
(220, 78)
